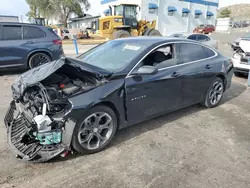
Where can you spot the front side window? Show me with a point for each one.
(191, 52)
(12, 32)
(163, 57)
(32, 32)
(65, 31)
(113, 56)
(192, 37)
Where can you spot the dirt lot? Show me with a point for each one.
(193, 147)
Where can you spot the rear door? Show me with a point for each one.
(11, 50)
(35, 38)
(195, 71)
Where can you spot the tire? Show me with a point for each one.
(215, 91)
(92, 134)
(66, 38)
(121, 34)
(38, 59)
(152, 32)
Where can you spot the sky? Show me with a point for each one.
(20, 7)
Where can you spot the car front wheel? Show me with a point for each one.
(214, 93)
(95, 131)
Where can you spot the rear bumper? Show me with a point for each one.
(18, 130)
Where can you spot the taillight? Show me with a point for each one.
(57, 42)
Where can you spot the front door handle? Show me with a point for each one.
(175, 74)
(208, 66)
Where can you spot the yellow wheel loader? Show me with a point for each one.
(122, 23)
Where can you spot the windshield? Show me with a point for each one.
(113, 56)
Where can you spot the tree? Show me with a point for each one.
(33, 13)
(66, 7)
(225, 13)
(63, 8)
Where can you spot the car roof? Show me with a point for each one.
(18, 23)
(188, 34)
(153, 39)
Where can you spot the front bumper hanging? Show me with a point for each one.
(29, 151)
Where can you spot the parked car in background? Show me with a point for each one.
(64, 34)
(241, 58)
(204, 28)
(28, 45)
(235, 44)
(80, 103)
(198, 37)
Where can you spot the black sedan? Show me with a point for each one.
(78, 104)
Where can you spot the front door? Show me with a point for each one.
(151, 95)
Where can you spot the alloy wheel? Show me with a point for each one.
(216, 93)
(39, 59)
(96, 130)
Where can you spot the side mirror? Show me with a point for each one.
(146, 70)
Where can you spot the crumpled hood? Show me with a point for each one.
(36, 75)
(245, 45)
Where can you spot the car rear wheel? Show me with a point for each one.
(38, 59)
(95, 131)
(214, 93)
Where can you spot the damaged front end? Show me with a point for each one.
(37, 121)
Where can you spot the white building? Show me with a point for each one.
(172, 15)
(4, 18)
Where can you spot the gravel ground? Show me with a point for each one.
(193, 147)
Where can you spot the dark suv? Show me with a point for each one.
(28, 45)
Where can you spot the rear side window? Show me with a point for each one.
(203, 38)
(32, 32)
(53, 32)
(12, 32)
(191, 52)
(208, 52)
(192, 37)
(66, 31)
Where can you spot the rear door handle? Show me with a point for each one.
(208, 66)
(175, 74)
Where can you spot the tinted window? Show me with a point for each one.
(161, 58)
(208, 52)
(192, 37)
(65, 31)
(12, 32)
(191, 52)
(32, 32)
(203, 38)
